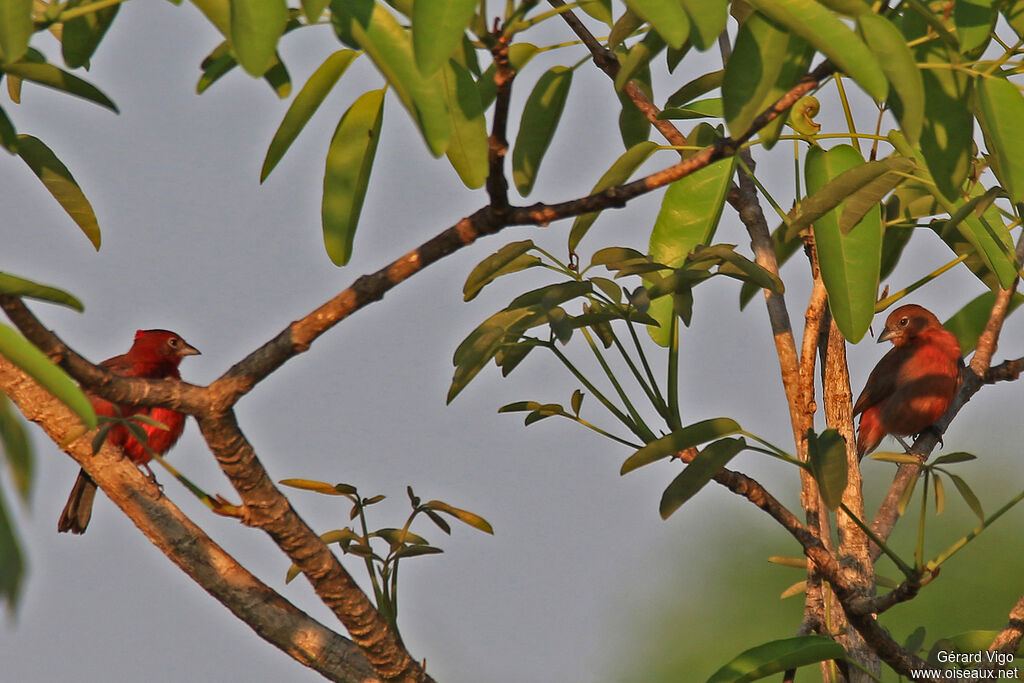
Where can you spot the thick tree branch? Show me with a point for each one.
(266, 612)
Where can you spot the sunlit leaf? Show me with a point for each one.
(511, 258)
(437, 30)
(61, 184)
(82, 35)
(541, 115)
(777, 656)
(667, 17)
(15, 28)
(969, 322)
(16, 286)
(1000, 112)
(34, 362)
(468, 147)
(707, 18)
(900, 67)
(304, 106)
(680, 440)
(256, 26)
(320, 486)
(51, 76)
(347, 173)
(464, 516)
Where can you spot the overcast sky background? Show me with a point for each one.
(582, 580)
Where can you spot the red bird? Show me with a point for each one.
(155, 354)
(913, 385)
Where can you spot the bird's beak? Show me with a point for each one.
(886, 335)
(189, 350)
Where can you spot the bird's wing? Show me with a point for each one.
(881, 382)
(119, 365)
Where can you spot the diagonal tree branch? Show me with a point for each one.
(266, 612)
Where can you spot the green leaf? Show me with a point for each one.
(710, 108)
(541, 115)
(968, 495)
(437, 30)
(511, 258)
(778, 655)
(667, 17)
(577, 401)
(986, 234)
(940, 495)
(898, 458)
(708, 18)
(256, 26)
(12, 562)
(959, 456)
(320, 487)
(637, 59)
(900, 67)
(701, 85)
(372, 27)
(969, 322)
(218, 12)
(851, 262)
(464, 516)
(58, 180)
(827, 456)
(416, 550)
(8, 136)
(51, 76)
(34, 362)
(484, 342)
(313, 9)
(16, 286)
(347, 173)
(468, 148)
(974, 22)
(82, 35)
(680, 440)
(15, 28)
(619, 173)
(1000, 112)
(304, 106)
(765, 63)
(915, 640)
(699, 472)
(689, 215)
(17, 449)
(829, 35)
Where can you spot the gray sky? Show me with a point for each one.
(572, 586)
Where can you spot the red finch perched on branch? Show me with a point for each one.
(155, 354)
(913, 385)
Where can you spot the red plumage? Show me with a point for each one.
(155, 354)
(914, 383)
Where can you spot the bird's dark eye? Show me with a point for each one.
(904, 322)
(173, 342)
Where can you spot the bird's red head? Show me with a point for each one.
(906, 323)
(160, 346)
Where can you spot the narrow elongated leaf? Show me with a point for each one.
(827, 456)
(347, 173)
(304, 106)
(871, 194)
(986, 234)
(541, 115)
(778, 655)
(707, 18)
(372, 27)
(17, 450)
(320, 487)
(51, 76)
(900, 67)
(312, 9)
(12, 562)
(16, 286)
(699, 472)
(58, 180)
(1000, 112)
(667, 17)
(19, 351)
(82, 35)
(619, 173)
(968, 495)
(437, 30)
(822, 29)
(689, 215)
(698, 86)
(8, 136)
(511, 258)
(969, 322)
(256, 26)
(218, 12)
(465, 516)
(752, 70)
(468, 147)
(680, 440)
(637, 59)
(15, 28)
(850, 263)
